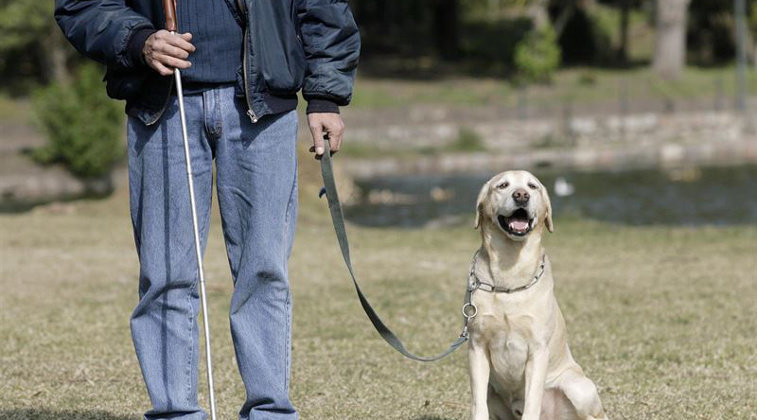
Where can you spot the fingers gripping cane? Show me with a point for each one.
(169, 6)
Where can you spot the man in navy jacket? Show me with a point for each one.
(243, 63)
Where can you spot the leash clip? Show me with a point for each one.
(469, 311)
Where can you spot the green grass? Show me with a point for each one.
(579, 85)
(662, 319)
(383, 93)
(582, 86)
(467, 141)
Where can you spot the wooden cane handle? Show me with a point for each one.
(169, 7)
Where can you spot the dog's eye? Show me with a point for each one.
(503, 185)
(533, 186)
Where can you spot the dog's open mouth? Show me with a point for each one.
(517, 224)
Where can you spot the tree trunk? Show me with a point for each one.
(751, 48)
(538, 13)
(53, 56)
(670, 38)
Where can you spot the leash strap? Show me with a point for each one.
(337, 217)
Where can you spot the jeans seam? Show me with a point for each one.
(293, 191)
(194, 349)
(191, 348)
(288, 341)
(292, 197)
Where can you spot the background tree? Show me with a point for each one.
(670, 37)
(752, 41)
(625, 11)
(711, 31)
(446, 23)
(32, 47)
(84, 127)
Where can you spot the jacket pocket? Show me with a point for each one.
(123, 84)
(280, 51)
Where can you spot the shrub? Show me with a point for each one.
(468, 141)
(537, 56)
(507, 31)
(83, 126)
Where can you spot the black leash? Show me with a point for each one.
(337, 217)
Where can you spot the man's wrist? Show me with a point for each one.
(137, 44)
(322, 106)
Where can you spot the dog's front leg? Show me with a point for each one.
(479, 380)
(536, 373)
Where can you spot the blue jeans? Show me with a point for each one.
(257, 193)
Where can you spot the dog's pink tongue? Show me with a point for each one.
(519, 225)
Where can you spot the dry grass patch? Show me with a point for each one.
(663, 319)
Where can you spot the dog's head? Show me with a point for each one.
(516, 203)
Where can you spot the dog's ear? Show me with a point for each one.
(548, 209)
(480, 203)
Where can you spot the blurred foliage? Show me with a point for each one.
(486, 35)
(711, 34)
(400, 27)
(83, 126)
(32, 48)
(508, 31)
(597, 32)
(537, 56)
(21, 22)
(587, 36)
(422, 38)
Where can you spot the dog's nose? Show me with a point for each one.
(521, 196)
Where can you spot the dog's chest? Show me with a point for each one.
(508, 350)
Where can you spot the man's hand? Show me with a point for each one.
(325, 123)
(164, 51)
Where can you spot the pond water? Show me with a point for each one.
(689, 196)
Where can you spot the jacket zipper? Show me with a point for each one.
(250, 113)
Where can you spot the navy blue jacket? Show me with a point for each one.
(289, 45)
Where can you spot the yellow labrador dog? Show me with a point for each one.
(520, 363)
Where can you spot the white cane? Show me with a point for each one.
(169, 6)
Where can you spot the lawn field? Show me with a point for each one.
(582, 87)
(662, 319)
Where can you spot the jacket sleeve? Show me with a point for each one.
(331, 41)
(103, 29)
